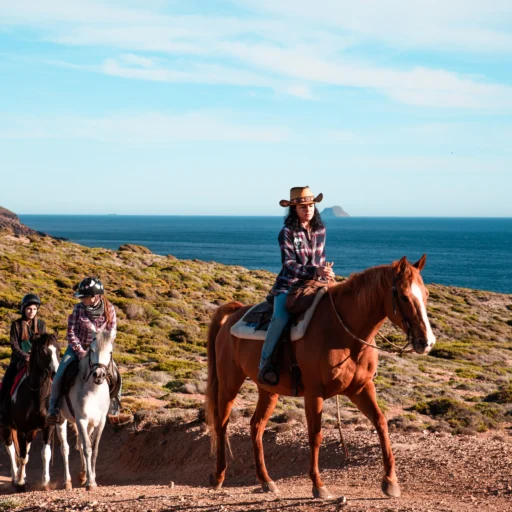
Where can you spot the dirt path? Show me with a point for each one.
(436, 473)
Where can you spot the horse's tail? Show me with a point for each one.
(212, 391)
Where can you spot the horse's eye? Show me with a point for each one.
(404, 298)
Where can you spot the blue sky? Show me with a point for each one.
(219, 107)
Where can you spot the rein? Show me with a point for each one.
(406, 323)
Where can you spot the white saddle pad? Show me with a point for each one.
(246, 331)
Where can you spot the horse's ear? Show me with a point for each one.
(401, 266)
(420, 264)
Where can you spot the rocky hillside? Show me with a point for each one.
(10, 223)
(164, 306)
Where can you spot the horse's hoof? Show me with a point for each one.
(270, 487)
(91, 487)
(322, 493)
(68, 485)
(82, 477)
(46, 487)
(20, 487)
(391, 489)
(214, 483)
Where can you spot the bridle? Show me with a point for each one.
(405, 321)
(95, 366)
(46, 373)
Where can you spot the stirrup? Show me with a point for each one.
(269, 375)
(52, 418)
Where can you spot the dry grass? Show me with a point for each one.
(164, 306)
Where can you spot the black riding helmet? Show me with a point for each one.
(29, 300)
(89, 287)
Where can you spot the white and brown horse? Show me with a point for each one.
(334, 356)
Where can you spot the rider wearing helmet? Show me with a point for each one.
(22, 332)
(93, 310)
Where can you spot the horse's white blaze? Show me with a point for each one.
(55, 361)
(416, 291)
(46, 454)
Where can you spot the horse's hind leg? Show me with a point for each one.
(62, 434)
(226, 398)
(11, 450)
(366, 402)
(264, 409)
(46, 455)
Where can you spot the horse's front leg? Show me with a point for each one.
(11, 450)
(46, 455)
(96, 443)
(85, 439)
(24, 441)
(266, 405)
(314, 405)
(62, 433)
(366, 402)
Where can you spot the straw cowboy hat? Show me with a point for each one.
(301, 195)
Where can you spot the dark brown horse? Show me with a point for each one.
(333, 361)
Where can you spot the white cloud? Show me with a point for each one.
(462, 25)
(143, 128)
(290, 46)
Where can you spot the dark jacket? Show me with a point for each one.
(18, 354)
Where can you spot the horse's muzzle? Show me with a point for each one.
(421, 345)
(99, 376)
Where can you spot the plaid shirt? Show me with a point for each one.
(300, 257)
(80, 326)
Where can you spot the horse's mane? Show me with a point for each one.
(367, 285)
(103, 338)
(41, 341)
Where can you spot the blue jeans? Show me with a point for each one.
(69, 356)
(279, 320)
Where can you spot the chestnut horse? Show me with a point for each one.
(332, 356)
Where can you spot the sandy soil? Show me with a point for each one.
(167, 468)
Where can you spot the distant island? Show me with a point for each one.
(335, 211)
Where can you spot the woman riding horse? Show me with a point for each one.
(93, 312)
(302, 243)
(21, 335)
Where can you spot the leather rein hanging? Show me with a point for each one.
(405, 322)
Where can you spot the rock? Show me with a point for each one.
(335, 211)
(10, 223)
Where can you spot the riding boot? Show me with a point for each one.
(269, 373)
(53, 414)
(114, 417)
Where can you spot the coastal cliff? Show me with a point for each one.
(164, 306)
(10, 223)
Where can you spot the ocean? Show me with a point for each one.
(467, 252)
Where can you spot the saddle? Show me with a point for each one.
(68, 379)
(254, 324)
(19, 377)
